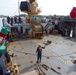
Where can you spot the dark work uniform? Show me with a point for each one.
(39, 53)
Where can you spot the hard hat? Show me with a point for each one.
(39, 44)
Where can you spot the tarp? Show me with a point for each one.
(24, 6)
(2, 48)
(73, 13)
(5, 30)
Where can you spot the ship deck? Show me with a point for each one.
(58, 55)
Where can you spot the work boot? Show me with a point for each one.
(40, 61)
(37, 61)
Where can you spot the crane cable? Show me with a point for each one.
(15, 11)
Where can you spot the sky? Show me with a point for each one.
(48, 7)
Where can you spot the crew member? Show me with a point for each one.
(39, 53)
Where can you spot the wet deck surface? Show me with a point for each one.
(57, 55)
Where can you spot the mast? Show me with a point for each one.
(18, 9)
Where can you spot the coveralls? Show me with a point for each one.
(39, 53)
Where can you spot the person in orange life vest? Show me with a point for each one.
(15, 19)
(39, 53)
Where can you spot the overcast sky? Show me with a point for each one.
(49, 7)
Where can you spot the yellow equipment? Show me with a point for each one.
(37, 29)
(55, 31)
(39, 44)
(10, 63)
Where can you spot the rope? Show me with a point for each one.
(15, 11)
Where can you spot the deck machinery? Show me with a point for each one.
(31, 8)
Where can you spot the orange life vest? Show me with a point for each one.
(40, 49)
